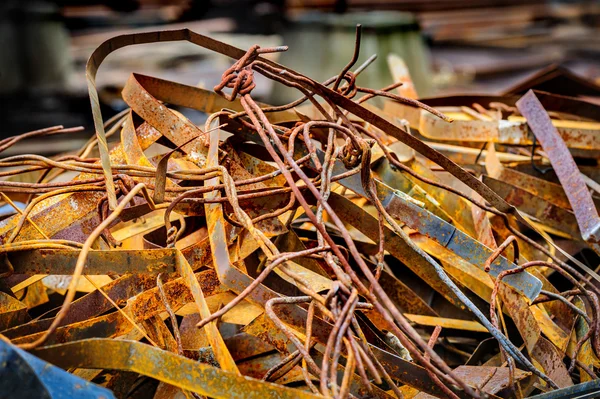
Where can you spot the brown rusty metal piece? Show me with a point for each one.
(564, 167)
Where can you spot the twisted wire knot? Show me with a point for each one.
(240, 76)
(171, 237)
(350, 89)
(353, 151)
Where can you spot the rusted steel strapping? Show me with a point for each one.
(176, 93)
(553, 216)
(163, 366)
(214, 336)
(447, 206)
(118, 261)
(549, 191)
(564, 166)
(511, 131)
(159, 116)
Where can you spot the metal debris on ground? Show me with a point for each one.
(353, 243)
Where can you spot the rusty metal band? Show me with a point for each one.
(178, 130)
(118, 261)
(164, 366)
(564, 166)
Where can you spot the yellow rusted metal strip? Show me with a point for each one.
(164, 366)
(514, 131)
(214, 336)
(444, 322)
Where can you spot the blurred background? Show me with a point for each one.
(449, 46)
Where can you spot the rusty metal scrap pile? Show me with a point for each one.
(316, 249)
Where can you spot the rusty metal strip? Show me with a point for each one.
(418, 376)
(444, 322)
(586, 390)
(549, 191)
(12, 312)
(90, 305)
(540, 209)
(404, 296)
(190, 96)
(214, 336)
(178, 130)
(564, 166)
(142, 307)
(164, 366)
(403, 208)
(367, 224)
(456, 208)
(512, 131)
(471, 277)
(457, 241)
(117, 261)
